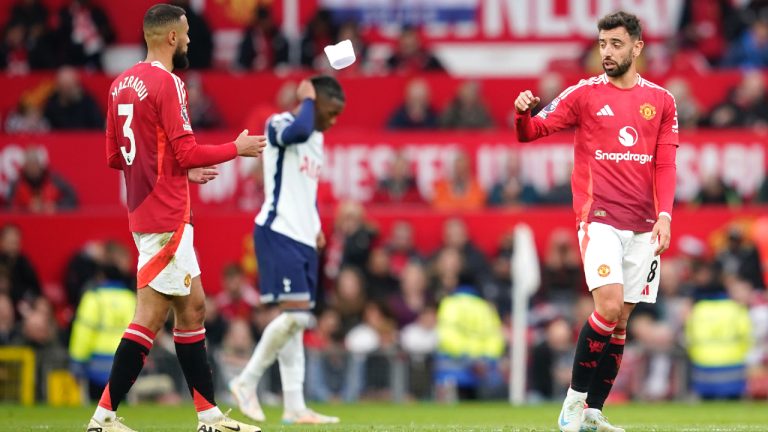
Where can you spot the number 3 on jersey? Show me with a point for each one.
(127, 110)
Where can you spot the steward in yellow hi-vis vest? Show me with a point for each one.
(102, 316)
(719, 335)
(470, 344)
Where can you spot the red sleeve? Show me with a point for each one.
(665, 176)
(561, 113)
(666, 151)
(172, 108)
(668, 129)
(113, 152)
(525, 126)
(189, 154)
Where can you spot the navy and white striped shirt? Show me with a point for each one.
(292, 162)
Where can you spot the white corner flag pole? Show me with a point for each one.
(526, 279)
(292, 28)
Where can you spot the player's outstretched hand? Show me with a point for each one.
(306, 90)
(202, 175)
(250, 145)
(662, 233)
(526, 101)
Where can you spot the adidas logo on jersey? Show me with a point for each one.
(605, 111)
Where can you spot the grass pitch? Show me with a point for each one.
(476, 417)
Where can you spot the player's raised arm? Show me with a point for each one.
(561, 113)
(172, 105)
(526, 101)
(303, 123)
(190, 154)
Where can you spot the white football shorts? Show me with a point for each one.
(613, 256)
(167, 261)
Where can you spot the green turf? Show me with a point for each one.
(737, 416)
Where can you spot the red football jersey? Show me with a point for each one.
(618, 132)
(147, 110)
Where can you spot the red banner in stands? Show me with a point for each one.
(355, 161)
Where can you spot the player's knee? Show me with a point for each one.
(301, 319)
(153, 324)
(198, 312)
(149, 319)
(193, 316)
(611, 311)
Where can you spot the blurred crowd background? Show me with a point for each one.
(398, 317)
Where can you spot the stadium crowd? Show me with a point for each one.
(393, 321)
(386, 310)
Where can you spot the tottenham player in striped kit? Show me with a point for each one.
(287, 236)
(623, 187)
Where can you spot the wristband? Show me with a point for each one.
(669, 216)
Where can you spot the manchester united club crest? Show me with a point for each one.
(648, 111)
(603, 270)
(187, 280)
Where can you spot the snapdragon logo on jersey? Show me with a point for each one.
(628, 138)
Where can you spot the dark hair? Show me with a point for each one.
(161, 15)
(328, 86)
(622, 19)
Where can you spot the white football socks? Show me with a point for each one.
(291, 359)
(211, 415)
(576, 394)
(103, 415)
(276, 335)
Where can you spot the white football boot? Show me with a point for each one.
(571, 414)
(595, 421)
(226, 424)
(308, 416)
(115, 425)
(247, 400)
